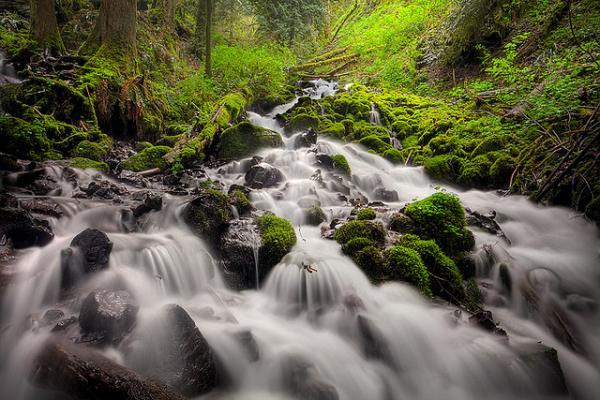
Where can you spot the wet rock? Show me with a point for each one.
(238, 247)
(314, 216)
(244, 140)
(8, 200)
(64, 324)
(308, 202)
(486, 222)
(52, 316)
(484, 320)
(106, 316)
(542, 362)
(183, 359)
(386, 195)
(248, 342)
(262, 176)
(80, 372)
(105, 190)
(132, 178)
(306, 139)
(22, 229)
(208, 214)
(373, 341)
(301, 379)
(152, 202)
(88, 253)
(401, 223)
(46, 207)
(325, 161)
(581, 304)
(24, 178)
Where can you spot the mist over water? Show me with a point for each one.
(328, 320)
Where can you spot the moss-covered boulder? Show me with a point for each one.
(208, 214)
(404, 264)
(360, 229)
(401, 223)
(241, 202)
(341, 164)
(278, 238)
(23, 139)
(86, 163)
(445, 277)
(149, 158)
(96, 151)
(441, 217)
(314, 216)
(244, 140)
(366, 214)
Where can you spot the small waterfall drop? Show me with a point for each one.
(374, 116)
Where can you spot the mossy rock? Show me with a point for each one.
(375, 143)
(401, 223)
(445, 278)
(94, 150)
(314, 216)
(304, 121)
(336, 129)
(149, 158)
(356, 245)
(502, 169)
(86, 163)
(341, 164)
(244, 140)
(476, 172)
(278, 238)
(404, 264)
(443, 144)
(141, 146)
(371, 260)
(208, 214)
(393, 155)
(491, 143)
(366, 214)
(241, 202)
(360, 229)
(445, 167)
(23, 139)
(441, 217)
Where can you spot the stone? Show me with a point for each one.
(301, 379)
(108, 316)
(238, 246)
(306, 139)
(18, 226)
(262, 176)
(88, 253)
(386, 195)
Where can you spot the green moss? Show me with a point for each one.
(341, 164)
(393, 155)
(371, 261)
(401, 223)
(314, 216)
(592, 211)
(169, 140)
(375, 143)
(245, 139)
(91, 150)
(23, 139)
(278, 238)
(360, 229)
(476, 172)
(149, 158)
(502, 169)
(304, 121)
(405, 264)
(86, 163)
(441, 217)
(356, 244)
(141, 146)
(444, 167)
(492, 143)
(241, 202)
(446, 280)
(335, 129)
(366, 214)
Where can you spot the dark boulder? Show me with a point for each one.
(239, 244)
(486, 222)
(484, 320)
(248, 342)
(302, 381)
(52, 317)
(262, 176)
(314, 216)
(542, 362)
(177, 354)
(105, 190)
(107, 317)
(208, 214)
(306, 139)
(89, 252)
(325, 161)
(8, 200)
(22, 229)
(373, 342)
(401, 223)
(82, 373)
(43, 206)
(152, 202)
(386, 195)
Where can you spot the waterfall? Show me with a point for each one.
(374, 116)
(365, 341)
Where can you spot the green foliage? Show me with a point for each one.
(244, 140)
(366, 214)
(360, 229)
(441, 217)
(23, 139)
(405, 264)
(341, 164)
(278, 238)
(151, 157)
(86, 163)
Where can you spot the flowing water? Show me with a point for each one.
(327, 318)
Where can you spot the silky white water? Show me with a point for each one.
(426, 352)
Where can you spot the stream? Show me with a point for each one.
(427, 350)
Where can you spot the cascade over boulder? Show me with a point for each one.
(174, 351)
(244, 140)
(81, 372)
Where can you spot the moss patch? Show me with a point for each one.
(86, 163)
(341, 164)
(278, 238)
(244, 140)
(360, 229)
(405, 264)
(150, 157)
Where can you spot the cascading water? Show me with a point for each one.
(330, 326)
(374, 116)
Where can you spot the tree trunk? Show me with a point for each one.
(207, 56)
(165, 10)
(200, 34)
(114, 32)
(44, 26)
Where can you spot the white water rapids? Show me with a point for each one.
(317, 317)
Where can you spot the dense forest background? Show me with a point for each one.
(498, 94)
